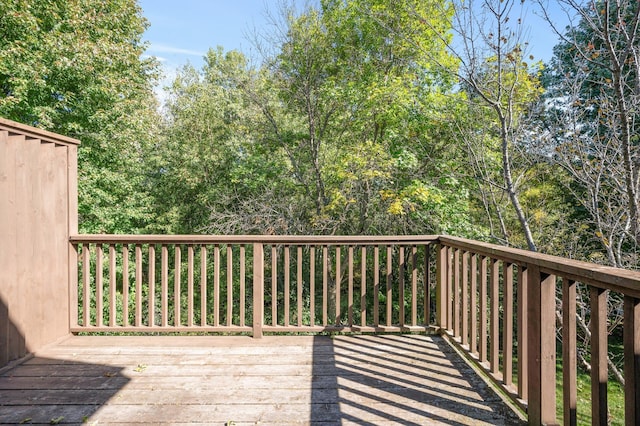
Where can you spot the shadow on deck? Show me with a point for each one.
(363, 379)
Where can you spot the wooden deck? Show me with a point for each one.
(363, 379)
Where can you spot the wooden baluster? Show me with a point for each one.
(112, 285)
(599, 370)
(449, 292)
(164, 284)
(465, 299)
(507, 325)
(125, 285)
(523, 337)
(190, 278)
(350, 288)
(243, 277)
(312, 285)
(299, 282)
(151, 306)
(258, 289)
(325, 286)
(414, 286)
(99, 286)
(483, 309)
(441, 287)
(338, 321)
(177, 291)
(456, 293)
(363, 286)
(216, 285)
(203, 285)
(427, 286)
(389, 288)
(287, 284)
(569, 364)
(274, 285)
(473, 306)
(376, 286)
(401, 272)
(631, 361)
(229, 285)
(138, 272)
(494, 318)
(86, 284)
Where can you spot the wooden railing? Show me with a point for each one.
(252, 284)
(497, 305)
(487, 289)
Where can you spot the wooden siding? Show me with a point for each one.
(38, 213)
(393, 379)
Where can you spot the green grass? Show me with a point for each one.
(615, 398)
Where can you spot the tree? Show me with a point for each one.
(592, 127)
(74, 67)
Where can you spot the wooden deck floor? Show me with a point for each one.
(238, 380)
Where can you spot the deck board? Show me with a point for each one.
(365, 379)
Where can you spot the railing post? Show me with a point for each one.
(541, 347)
(441, 287)
(258, 289)
(631, 360)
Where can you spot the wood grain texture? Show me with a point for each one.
(410, 379)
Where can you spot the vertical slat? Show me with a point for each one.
(112, 285)
(456, 293)
(216, 285)
(190, 277)
(542, 347)
(152, 285)
(325, 285)
(449, 285)
(483, 309)
(177, 291)
(86, 280)
(494, 318)
(464, 329)
(523, 339)
(287, 284)
(441, 287)
(401, 265)
(164, 284)
(389, 288)
(414, 286)
(99, 285)
(363, 286)
(203, 285)
(507, 331)
(125, 285)
(631, 361)
(599, 372)
(376, 286)
(473, 306)
(229, 285)
(274, 285)
(258, 289)
(242, 285)
(138, 301)
(299, 282)
(338, 282)
(569, 364)
(312, 285)
(350, 288)
(427, 285)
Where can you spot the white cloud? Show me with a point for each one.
(163, 48)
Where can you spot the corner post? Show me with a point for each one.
(541, 321)
(258, 289)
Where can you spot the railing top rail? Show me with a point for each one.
(34, 132)
(621, 280)
(249, 239)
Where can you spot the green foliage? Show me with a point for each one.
(75, 67)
